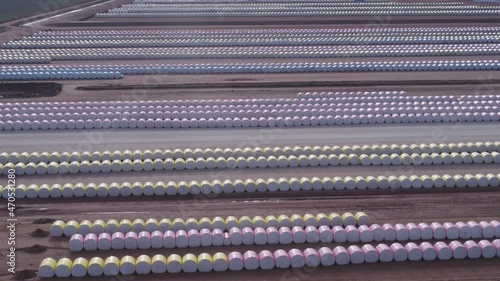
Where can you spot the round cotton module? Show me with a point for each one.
(312, 258)
(98, 227)
(131, 240)
(245, 221)
(144, 240)
(285, 235)
(258, 221)
(259, 235)
(118, 241)
(273, 235)
(189, 263)
(251, 260)
(426, 232)
(399, 252)
(95, 266)
(476, 230)
(356, 254)
(384, 253)
(370, 253)
(362, 218)
(428, 251)
(248, 236)
(443, 251)
(76, 243)
(488, 229)
(174, 263)
(348, 219)
(158, 264)
(284, 220)
(47, 268)
(235, 236)
(365, 234)
(143, 265)
(178, 224)
(298, 234)
(205, 262)
(90, 242)
(235, 261)
(458, 250)
(389, 232)
(473, 249)
(181, 239)
(438, 231)
(71, 228)
(296, 258)
(63, 268)
(192, 223)
(104, 241)
(464, 231)
(218, 223)
(312, 234)
(217, 237)
(414, 251)
(79, 268)
(220, 262)
(151, 225)
(342, 257)
(414, 231)
(452, 231)
(57, 228)
(402, 233)
(111, 226)
(230, 222)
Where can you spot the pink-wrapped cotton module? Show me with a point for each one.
(298, 235)
(399, 252)
(104, 241)
(488, 250)
(273, 236)
(266, 260)
(217, 237)
(227, 239)
(473, 250)
(402, 233)
(281, 258)
(342, 257)
(464, 231)
(476, 230)
(181, 239)
(414, 231)
(194, 239)
(169, 239)
(326, 256)
(458, 249)
(76, 242)
(296, 258)
(438, 231)
(356, 254)
(352, 233)
(426, 231)
(312, 257)
(117, 241)
(205, 237)
(339, 234)
(235, 261)
(365, 234)
(285, 235)
(236, 236)
(144, 240)
(428, 251)
(384, 252)
(251, 260)
(370, 253)
(488, 229)
(260, 236)
(496, 244)
(378, 232)
(444, 252)
(131, 240)
(389, 232)
(312, 234)
(451, 230)
(325, 234)
(414, 252)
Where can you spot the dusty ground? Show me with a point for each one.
(390, 206)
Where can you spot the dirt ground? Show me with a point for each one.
(33, 243)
